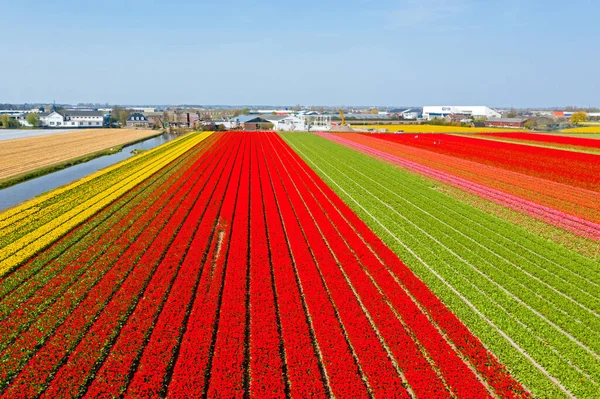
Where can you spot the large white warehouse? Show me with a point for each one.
(442, 111)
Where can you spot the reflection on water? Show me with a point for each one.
(18, 193)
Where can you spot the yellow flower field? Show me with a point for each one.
(433, 129)
(92, 200)
(19, 210)
(584, 129)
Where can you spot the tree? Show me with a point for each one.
(166, 116)
(374, 111)
(33, 119)
(530, 124)
(119, 115)
(4, 120)
(579, 117)
(512, 114)
(123, 116)
(9, 122)
(245, 111)
(114, 115)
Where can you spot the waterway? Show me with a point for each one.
(18, 193)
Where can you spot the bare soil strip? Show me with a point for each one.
(20, 157)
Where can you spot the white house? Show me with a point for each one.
(303, 123)
(291, 123)
(52, 119)
(410, 114)
(73, 119)
(442, 111)
(318, 123)
(85, 118)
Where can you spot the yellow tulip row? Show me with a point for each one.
(24, 213)
(11, 215)
(53, 205)
(22, 249)
(584, 129)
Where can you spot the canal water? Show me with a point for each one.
(10, 134)
(18, 193)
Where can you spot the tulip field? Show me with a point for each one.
(409, 128)
(581, 144)
(266, 265)
(557, 186)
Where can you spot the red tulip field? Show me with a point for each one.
(265, 265)
(565, 142)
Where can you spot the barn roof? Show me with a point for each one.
(251, 119)
(273, 117)
(508, 120)
(83, 113)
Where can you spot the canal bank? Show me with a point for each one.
(25, 190)
(11, 181)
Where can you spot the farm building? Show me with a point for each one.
(72, 119)
(155, 118)
(303, 123)
(568, 114)
(255, 123)
(363, 117)
(411, 113)
(142, 109)
(138, 119)
(319, 122)
(274, 119)
(506, 122)
(562, 114)
(443, 111)
(246, 122)
(292, 123)
(459, 118)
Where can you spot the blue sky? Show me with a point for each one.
(501, 53)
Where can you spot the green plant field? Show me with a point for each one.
(532, 302)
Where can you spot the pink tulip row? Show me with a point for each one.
(572, 223)
(576, 169)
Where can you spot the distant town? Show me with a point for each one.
(293, 118)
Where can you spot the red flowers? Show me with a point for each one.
(244, 275)
(574, 168)
(572, 208)
(567, 141)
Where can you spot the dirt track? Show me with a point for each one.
(25, 155)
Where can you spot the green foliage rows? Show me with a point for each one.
(532, 302)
